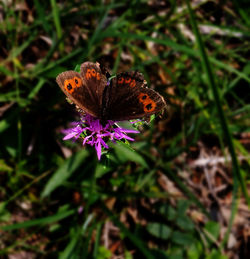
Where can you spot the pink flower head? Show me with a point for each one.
(94, 133)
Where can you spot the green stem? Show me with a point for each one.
(57, 23)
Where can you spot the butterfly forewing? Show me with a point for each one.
(75, 88)
(95, 81)
(129, 98)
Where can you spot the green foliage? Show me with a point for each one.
(138, 197)
(158, 230)
(103, 253)
(64, 172)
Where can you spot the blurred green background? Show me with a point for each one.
(180, 191)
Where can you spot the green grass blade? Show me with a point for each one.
(42, 16)
(97, 240)
(36, 89)
(236, 170)
(175, 46)
(71, 247)
(64, 172)
(42, 221)
(18, 50)
(57, 23)
(125, 153)
(54, 64)
(241, 11)
(212, 84)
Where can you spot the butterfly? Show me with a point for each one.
(124, 97)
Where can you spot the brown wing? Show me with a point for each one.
(128, 98)
(94, 80)
(73, 85)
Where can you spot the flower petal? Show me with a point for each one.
(129, 131)
(98, 150)
(85, 140)
(103, 143)
(127, 137)
(70, 135)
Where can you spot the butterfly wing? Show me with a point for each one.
(125, 97)
(128, 98)
(85, 88)
(95, 81)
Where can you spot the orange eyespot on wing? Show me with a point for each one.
(128, 80)
(120, 80)
(77, 81)
(93, 72)
(148, 104)
(142, 97)
(69, 85)
(133, 83)
(88, 74)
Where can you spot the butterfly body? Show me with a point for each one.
(124, 97)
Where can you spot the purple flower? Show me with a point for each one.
(95, 134)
